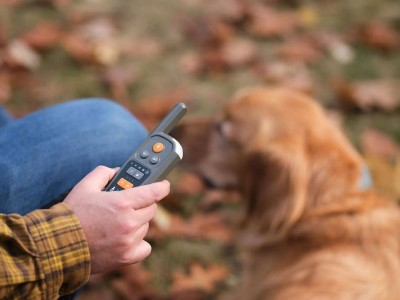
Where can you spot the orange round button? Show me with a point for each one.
(158, 147)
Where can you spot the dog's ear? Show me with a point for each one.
(194, 136)
(274, 183)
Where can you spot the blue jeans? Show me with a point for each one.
(44, 154)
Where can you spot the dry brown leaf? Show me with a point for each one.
(11, 3)
(206, 32)
(238, 52)
(43, 36)
(118, 80)
(152, 109)
(199, 278)
(335, 44)
(227, 10)
(78, 48)
(267, 22)
(134, 284)
(140, 48)
(200, 226)
(299, 50)
(191, 64)
(20, 55)
(375, 143)
(379, 35)
(383, 94)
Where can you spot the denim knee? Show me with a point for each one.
(107, 124)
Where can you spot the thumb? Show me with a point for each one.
(98, 178)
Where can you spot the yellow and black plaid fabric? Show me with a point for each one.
(42, 255)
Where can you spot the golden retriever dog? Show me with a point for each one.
(308, 230)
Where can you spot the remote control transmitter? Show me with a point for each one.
(154, 158)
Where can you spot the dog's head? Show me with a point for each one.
(280, 149)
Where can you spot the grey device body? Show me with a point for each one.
(147, 164)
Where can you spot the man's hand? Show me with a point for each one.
(114, 223)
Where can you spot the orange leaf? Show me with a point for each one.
(300, 50)
(379, 35)
(267, 22)
(383, 94)
(43, 36)
(78, 48)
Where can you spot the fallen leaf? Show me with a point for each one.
(299, 50)
(379, 35)
(308, 15)
(191, 64)
(150, 110)
(199, 278)
(226, 10)
(43, 36)
(238, 52)
(375, 143)
(11, 3)
(267, 22)
(334, 44)
(106, 53)
(206, 32)
(118, 79)
(209, 226)
(382, 94)
(133, 283)
(21, 55)
(140, 48)
(78, 48)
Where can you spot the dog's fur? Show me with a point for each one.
(308, 231)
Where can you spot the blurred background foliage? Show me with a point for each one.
(147, 55)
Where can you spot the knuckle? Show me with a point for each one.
(101, 168)
(122, 204)
(129, 226)
(155, 192)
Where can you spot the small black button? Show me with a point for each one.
(144, 154)
(154, 159)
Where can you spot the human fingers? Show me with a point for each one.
(141, 232)
(98, 178)
(145, 214)
(141, 252)
(145, 195)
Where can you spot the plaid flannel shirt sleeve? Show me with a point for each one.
(42, 255)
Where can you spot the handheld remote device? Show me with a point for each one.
(154, 158)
